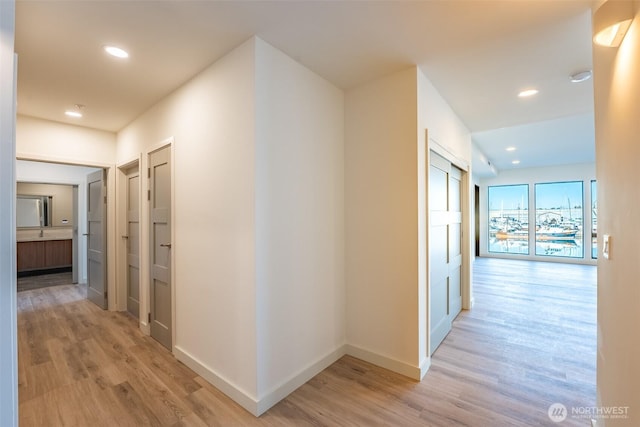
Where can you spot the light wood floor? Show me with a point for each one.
(529, 341)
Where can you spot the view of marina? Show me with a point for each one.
(558, 218)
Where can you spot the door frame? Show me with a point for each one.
(468, 237)
(110, 212)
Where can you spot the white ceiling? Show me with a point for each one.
(478, 53)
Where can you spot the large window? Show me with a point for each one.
(509, 219)
(559, 221)
(594, 220)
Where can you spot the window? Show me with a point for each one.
(559, 220)
(594, 220)
(508, 219)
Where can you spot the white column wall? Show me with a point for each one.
(8, 327)
(617, 90)
(211, 120)
(300, 285)
(381, 204)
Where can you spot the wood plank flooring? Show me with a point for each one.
(28, 283)
(529, 341)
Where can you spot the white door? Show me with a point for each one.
(133, 242)
(445, 247)
(96, 239)
(160, 245)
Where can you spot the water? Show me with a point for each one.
(566, 248)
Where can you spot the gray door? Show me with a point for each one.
(96, 239)
(445, 247)
(160, 245)
(133, 242)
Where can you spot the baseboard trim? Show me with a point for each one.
(278, 393)
(402, 368)
(145, 328)
(259, 406)
(232, 391)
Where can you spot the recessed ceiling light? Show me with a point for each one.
(581, 76)
(528, 92)
(77, 113)
(516, 162)
(116, 51)
(511, 148)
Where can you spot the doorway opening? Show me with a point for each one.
(51, 218)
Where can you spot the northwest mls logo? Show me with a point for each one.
(557, 412)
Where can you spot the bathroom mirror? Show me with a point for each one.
(33, 211)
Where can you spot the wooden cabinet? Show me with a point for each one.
(44, 254)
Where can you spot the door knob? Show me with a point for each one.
(165, 245)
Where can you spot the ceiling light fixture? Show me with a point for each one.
(510, 148)
(116, 51)
(516, 162)
(580, 76)
(77, 113)
(527, 93)
(611, 22)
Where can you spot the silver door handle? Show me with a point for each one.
(165, 245)
(85, 234)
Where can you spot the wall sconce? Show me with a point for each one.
(611, 22)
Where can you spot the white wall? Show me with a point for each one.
(8, 315)
(259, 221)
(212, 122)
(39, 139)
(52, 173)
(299, 223)
(381, 205)
(445, 127)
(531, 176)
(617, 90)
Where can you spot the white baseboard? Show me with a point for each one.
(413, 372)
(145, 328)
(231, 390)
(258, 406)
(287, 387)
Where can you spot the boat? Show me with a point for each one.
(543, 233)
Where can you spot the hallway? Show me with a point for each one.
(530, 341)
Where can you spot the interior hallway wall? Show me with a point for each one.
(617, 90)
(211, 120)
(381, 206)
(300, 284)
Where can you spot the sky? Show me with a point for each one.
(548, 195)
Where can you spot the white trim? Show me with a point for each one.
(234, 392)
(250, 403)
(397, 366)
(62, 160)
(424, 367)
(278, 393)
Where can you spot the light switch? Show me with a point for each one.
(606, 246)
